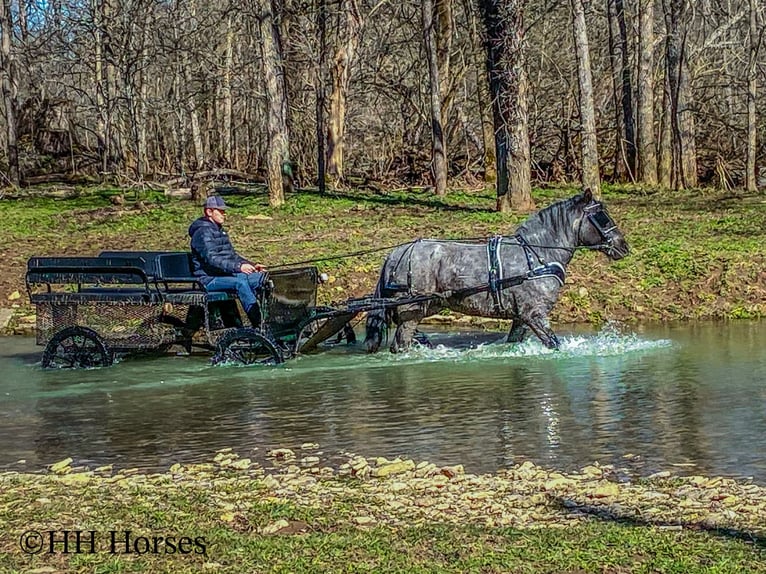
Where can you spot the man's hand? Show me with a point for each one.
(248, 268)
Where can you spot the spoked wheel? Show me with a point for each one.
(76, 348)
(247, 347)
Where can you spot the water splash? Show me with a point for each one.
(610, 341)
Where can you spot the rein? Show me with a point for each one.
(598, 247)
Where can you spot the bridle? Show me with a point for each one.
(604, 224)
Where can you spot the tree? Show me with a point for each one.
(625, 128)
(278, 151)
(752, 84)
(590, 164)
(684, 172)
(504, 27)
(438, 148)
(647, 157)
(10, 87)
(347, 43)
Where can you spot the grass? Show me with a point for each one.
(226, 521)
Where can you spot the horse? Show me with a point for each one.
(507, 277)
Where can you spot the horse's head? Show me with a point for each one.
(597, 229)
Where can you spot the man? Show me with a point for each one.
(218, 266)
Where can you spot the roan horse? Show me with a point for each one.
(509, 277)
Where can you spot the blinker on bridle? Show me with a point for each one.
(600, 219)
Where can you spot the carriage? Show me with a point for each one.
(91, 309)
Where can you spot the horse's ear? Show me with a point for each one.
(587, 196)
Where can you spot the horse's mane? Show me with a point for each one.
(555, 218)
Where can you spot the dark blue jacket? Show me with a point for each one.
(212, 252)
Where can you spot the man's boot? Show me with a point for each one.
(254, 314)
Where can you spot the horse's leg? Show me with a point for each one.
(541, 327)
(404, 334)
(422, 339)
(518, 332)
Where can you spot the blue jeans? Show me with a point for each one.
(243, 284)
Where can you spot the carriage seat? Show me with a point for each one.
(174, 270)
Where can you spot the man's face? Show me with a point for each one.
(217, 215)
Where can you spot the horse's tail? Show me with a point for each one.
(377, 319)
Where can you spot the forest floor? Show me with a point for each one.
(695, 254)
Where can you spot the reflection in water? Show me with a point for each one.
(689, 395)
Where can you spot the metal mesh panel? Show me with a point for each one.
(121, 325)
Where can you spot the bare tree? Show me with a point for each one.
(278, 153)
(625, 128)
(647, 157)
(10, 90)
(752, 84)
(590, 164)
(347, 44)
(438, 148)
(504, 26)
(684, 172)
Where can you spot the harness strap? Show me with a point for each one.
(495, 267)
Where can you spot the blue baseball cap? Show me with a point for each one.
(215, 202)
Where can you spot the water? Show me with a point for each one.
(687, 397)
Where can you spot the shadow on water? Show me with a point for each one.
(667, 396)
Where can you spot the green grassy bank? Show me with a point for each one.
(696, 254)
(232, 515)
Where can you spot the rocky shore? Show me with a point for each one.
(403, 493)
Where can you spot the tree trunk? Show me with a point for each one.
(647, 156)
(684, 172)
(226, 135)
(443, 29)
(345, 53)
(278, 150)
(10, 87)
(319, 90)
(504, 24)
(479, 61)
(665, 165)
(590, 165)
(102, 137)
(750, 181)
(625, 128)
(438, 151)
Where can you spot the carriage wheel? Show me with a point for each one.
(247, 347)
(76, 348)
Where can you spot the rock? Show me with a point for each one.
(452, 471)
(309, 446)
(242, 464)
(658, 475)
(5, 318)
(592, 471)
(309, 460)
(363, 520)
(393, 468)
(559, 483)
(275, 527)
(281, 453)
(62, 466)
(606, 490)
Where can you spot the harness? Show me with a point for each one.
(541, 270)
(496, 281)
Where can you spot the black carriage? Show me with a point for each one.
(90, 309)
